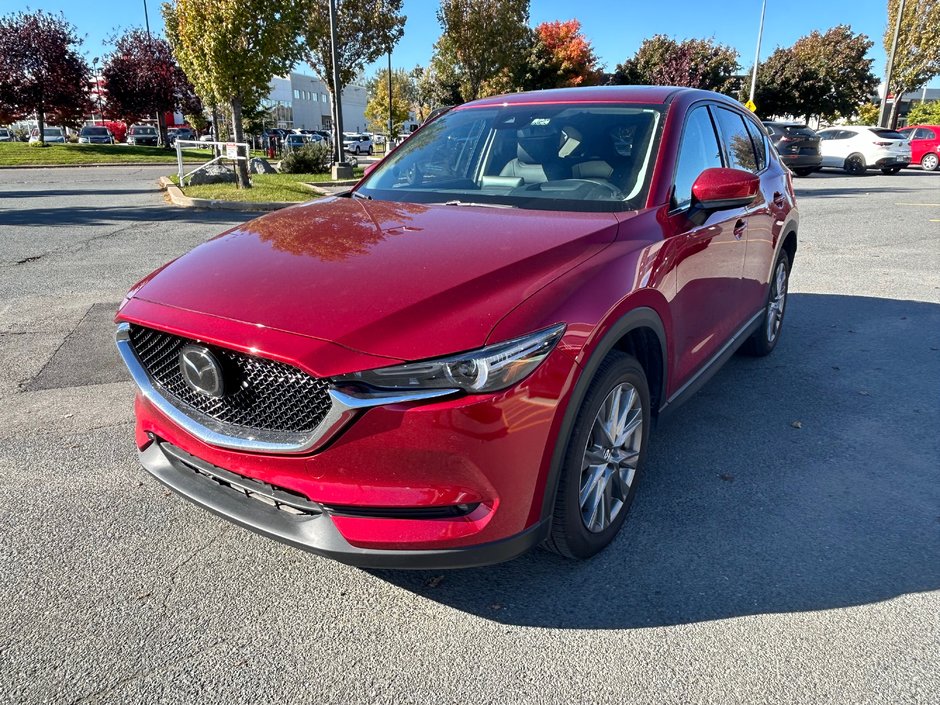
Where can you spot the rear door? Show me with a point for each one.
(745, 149)
(710, 257)
(832, 146)
(921, 139)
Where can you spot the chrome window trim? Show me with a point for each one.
(343, 408)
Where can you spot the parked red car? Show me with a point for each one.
(462, 357)
(925, 145)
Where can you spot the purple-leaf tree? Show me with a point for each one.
(41, 71)
(144, 79)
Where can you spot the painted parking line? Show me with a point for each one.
(924, 205)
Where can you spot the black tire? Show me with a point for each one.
(763, 341)
(855, 165)
(804, 171)
(570, 535)
(891, 170)
(930, 162)
(370, 151)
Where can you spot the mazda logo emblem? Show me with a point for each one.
(201, 371)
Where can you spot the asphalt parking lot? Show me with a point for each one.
(784, 546)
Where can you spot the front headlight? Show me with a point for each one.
(488, 369)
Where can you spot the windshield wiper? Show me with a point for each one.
(473, 203)
(364, 197)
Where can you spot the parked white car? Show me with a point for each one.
(357, 143)
(855, 149)
(52, 135)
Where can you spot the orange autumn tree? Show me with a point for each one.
(569, 54)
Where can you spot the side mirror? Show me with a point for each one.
(719, 189)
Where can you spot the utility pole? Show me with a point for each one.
(894, 48)
(341, 170)
(760, 35)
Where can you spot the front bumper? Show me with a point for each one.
(313, 528)
(391, 467)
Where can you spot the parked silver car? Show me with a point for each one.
(51, 135)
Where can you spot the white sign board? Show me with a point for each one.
(231, 150)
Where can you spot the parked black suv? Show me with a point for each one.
(797, 145)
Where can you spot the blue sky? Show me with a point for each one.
(615, 34)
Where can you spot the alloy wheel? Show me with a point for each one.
(777, 302)
(855, 166)
(930, 162)
(610, 457)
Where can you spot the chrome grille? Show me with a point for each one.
(260, 393)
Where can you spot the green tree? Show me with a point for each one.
(482, 46)
(366, 29)
(822, 74)
(697, 63)
(917, 59)
(925, 113)
(867, 114)
(404, 95)
(438, 85)
(231, 50)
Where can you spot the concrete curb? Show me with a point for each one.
(178, 198)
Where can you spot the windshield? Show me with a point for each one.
(52, 131)
(95, 131)
(551, 157)
(143, 131)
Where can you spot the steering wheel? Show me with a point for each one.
(614, 192)
(413, 174)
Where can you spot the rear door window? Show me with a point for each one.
(760, 145)
(739, 152)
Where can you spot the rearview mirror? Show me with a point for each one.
(721, 189)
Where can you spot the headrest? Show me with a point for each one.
(537, 144)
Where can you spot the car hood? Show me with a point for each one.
(397, 280)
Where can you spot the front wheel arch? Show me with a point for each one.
(634, 320)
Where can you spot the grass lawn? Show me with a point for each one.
(265, 187)
(21, 153)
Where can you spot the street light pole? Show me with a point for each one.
(340, 168)
(890, 69)
(390, 122)
(146, 20)
(760, 34)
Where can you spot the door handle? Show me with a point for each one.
(739, 229)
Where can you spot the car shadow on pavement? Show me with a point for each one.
(75, 193)
(72, 216)
(807, 480)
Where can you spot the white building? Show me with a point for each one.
(298, 101)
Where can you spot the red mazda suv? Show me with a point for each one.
(461, 358)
